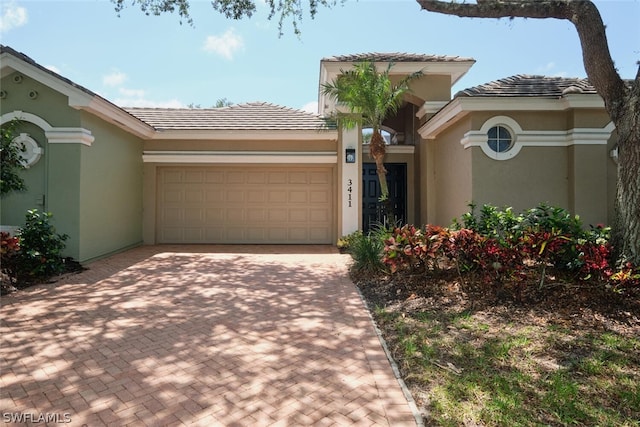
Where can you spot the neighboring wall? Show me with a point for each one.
(110, 208)
(94, 192)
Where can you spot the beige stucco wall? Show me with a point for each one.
(578, 177)
(535, 175)
(445, 176)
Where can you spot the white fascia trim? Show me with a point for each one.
(393, 149)
(233, 135)
(443, 119)
(77, 97)
(261, 157)
(69, 136)
(461, 106)
(118, 117)
(430, 107)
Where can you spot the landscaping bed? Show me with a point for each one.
(563, 354)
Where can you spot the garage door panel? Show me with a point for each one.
(298, 196)
(214, 215)
(276, 196)
(255, 204)
(194, 196)
(298, 233)
(214, 196)
(256, 215)
(298, 215)
(196, 176)
(277, 177)
(319, 215)
(319, 196)
(214, 177)
(236, 177)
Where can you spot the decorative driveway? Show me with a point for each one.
(198, 335)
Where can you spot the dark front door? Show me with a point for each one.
(372, 209)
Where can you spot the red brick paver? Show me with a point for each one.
(198, 335)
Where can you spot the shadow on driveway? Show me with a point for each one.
(205, 335)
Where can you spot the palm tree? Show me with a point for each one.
(370, 97)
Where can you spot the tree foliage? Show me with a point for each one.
(11, 162)
(235, 9)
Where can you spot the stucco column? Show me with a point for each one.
(350, 196)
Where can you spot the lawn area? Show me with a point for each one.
(564, 355)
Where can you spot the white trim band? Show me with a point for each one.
(262, 157)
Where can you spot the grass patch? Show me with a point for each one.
(492, 367)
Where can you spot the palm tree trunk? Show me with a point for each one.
(377, 150)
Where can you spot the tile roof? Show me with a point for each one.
(396, 57)
(530, 86)
(248, 116)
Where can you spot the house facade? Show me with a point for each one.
(259, 173)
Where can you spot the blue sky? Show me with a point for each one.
(138, 60)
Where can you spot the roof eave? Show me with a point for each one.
(77, 98)
(329, 70)
(461, 106)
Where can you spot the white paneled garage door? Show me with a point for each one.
(245, 204)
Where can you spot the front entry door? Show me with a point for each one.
(372, 209)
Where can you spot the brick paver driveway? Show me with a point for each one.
(204, 335)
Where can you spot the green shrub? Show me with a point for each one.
(366, 251)
(346, 242)
(40, 254)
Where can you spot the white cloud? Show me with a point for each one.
(310, 107)
(131, 93)
(52, 68)
(12, 16)
(548, 70)
(115, 78)
(225, 45)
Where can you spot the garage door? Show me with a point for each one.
(245, 204)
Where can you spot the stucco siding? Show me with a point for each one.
(110, 190)
(535, 175)
(48, 104)
(452, 175)
(63, 193)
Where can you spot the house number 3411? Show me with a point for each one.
(349, 192)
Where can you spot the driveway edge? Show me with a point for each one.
(396, 372)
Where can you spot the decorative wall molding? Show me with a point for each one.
(231, 157)
(54, 135)
(534, 138)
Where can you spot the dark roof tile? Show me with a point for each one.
(396, 57)
(529, 86)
